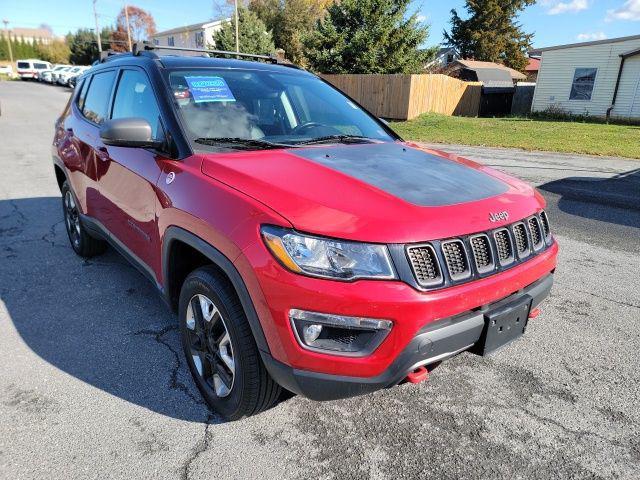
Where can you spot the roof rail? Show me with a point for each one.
(140, 47)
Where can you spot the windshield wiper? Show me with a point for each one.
(338, 138)
(240, 142)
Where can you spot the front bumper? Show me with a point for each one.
(435, 342)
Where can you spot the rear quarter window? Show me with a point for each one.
(96, 102)
(24, 65)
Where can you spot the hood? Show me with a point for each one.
(384, 192)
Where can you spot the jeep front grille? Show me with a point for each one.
(424, 263)
(445, 262)
(455, 255)
(482, 254)
(522, 240)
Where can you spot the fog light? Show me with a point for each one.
(311, 333)
(338, 334)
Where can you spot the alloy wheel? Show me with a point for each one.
(72, 218)
(210, 345)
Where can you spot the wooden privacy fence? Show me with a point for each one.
(403, 97)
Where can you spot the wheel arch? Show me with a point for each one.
(173, 274)
(61, 177)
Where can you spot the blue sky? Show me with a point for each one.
(553, 21)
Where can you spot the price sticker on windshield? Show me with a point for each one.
(209, 89)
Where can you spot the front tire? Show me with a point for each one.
(220, 349)
(82, 243)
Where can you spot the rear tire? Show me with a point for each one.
(220, 349)
(82, 243)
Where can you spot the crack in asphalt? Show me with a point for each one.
(49, 237)
(601, 297)
(200, 448)
(174, 383)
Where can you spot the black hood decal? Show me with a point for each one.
(413, 175)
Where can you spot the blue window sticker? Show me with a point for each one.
(209, 89)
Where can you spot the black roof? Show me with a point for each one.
(182, 61)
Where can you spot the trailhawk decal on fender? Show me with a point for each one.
(413, 175)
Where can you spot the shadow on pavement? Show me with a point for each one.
(98, 320)
(582, 196)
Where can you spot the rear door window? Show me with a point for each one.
(40, 66)
(96, 102)
(135, 98)
(24, 65)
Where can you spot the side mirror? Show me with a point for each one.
(128, 132)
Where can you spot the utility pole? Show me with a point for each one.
(126, 14)
(237, 35)
(6, 30)
(95, 15)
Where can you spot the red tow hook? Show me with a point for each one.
(534, 313)
(420, 374)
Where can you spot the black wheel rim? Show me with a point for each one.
(72, 219)
(210, 345)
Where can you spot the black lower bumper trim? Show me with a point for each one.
(435, 342)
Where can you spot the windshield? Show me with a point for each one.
(266, 108)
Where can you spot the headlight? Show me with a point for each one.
(324, 257)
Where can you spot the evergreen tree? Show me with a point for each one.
(83, 45)
(368, 36)
(290, 21)
(491, 32)
(253, 34)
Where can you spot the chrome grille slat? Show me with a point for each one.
(504, 245)
(544, 221)
(424, 263)
(455, 255)
(482, 254)
(521, 238)
(537, 237)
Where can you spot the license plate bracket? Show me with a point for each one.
(504, 325)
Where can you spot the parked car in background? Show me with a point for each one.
(28, 69)
(47, 75)
(65, 76)
(6, 70)
(56, 73)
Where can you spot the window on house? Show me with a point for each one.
(449, 58)
(200, 39)
(171, 42)
(156, 41)
(583, 81)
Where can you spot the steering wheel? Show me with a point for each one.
(304, 127)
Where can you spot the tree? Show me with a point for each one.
(141, 25)
(491, 33)
(368, 36)
(55, 52)
(84, 46)
(290, 21)
(254, 36)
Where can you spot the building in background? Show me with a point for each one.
(531, 70)
(198, 35)
(599, 78)
(32, 35)
(444, 57)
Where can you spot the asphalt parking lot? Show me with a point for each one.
(93, 383)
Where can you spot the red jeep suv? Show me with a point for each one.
(303, 244)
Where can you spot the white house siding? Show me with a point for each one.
(556, 76)
(187, 36)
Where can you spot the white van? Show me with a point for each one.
(29, 68)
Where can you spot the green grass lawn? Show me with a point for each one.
(529, 134)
